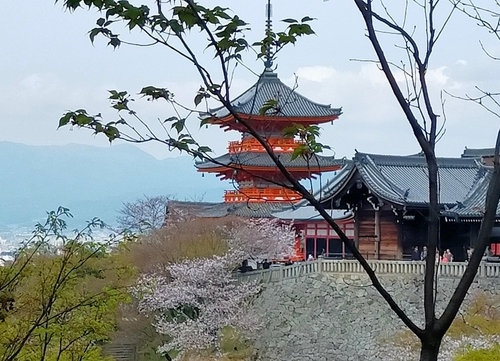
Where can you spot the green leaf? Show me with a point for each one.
(267, 106)
(291, 131)
(289, 21)
(114, 94)
(65, 119)
(307, 18)
(93, 33)
(114, 42)
(100, 21)
(204, 149)
(198, 98)
(83, 119)
(171, 119)
(72, 4)
(206, 121)
(300, 29)
(297, 152)
(176, 26)
(120, 106)
(179, 125)
(112, 133)
(155, 93)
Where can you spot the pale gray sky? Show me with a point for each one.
(48, 65)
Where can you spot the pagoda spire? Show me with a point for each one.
(268, 62)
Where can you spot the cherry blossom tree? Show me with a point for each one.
(193, 300)
(196, 302)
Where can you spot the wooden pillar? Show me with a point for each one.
(377, 233)
(356, 229)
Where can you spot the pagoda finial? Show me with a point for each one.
(268, 62)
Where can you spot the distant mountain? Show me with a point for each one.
(90, 181)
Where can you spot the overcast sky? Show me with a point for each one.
(48, 65)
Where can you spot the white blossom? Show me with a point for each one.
(263, 238)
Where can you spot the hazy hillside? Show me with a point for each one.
(91, 181)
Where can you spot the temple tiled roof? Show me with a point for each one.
(258, 210)
(473, 206)
(403, 180)
(310, 213)
(183, 210)
(264, 160)
(478, 153)
(290, 103)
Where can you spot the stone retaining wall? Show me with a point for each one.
(328, 317)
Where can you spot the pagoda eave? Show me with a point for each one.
(248, 173)
(292, 170)
(232, 122)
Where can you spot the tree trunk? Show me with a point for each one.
(430, 348)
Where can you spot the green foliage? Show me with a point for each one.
(307, 135)
(277, 41)
(62, 295)
(406, 339)
(233, 347)
(270, 107)
(82, 119)
(482, 318)
(488, 354)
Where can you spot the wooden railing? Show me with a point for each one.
(261, 195)
(252, 145)
(452, 269)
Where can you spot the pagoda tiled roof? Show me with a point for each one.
(261, 159)
(403, 180)
(290, 103)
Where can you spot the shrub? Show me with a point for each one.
(487, 354)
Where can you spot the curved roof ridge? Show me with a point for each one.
(481, 180)
(472, 206)
(419, 160)
(385, 189)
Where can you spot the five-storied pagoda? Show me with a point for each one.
(255, 175)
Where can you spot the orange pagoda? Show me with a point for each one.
(247, 163)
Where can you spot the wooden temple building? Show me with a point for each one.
(388, 196)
